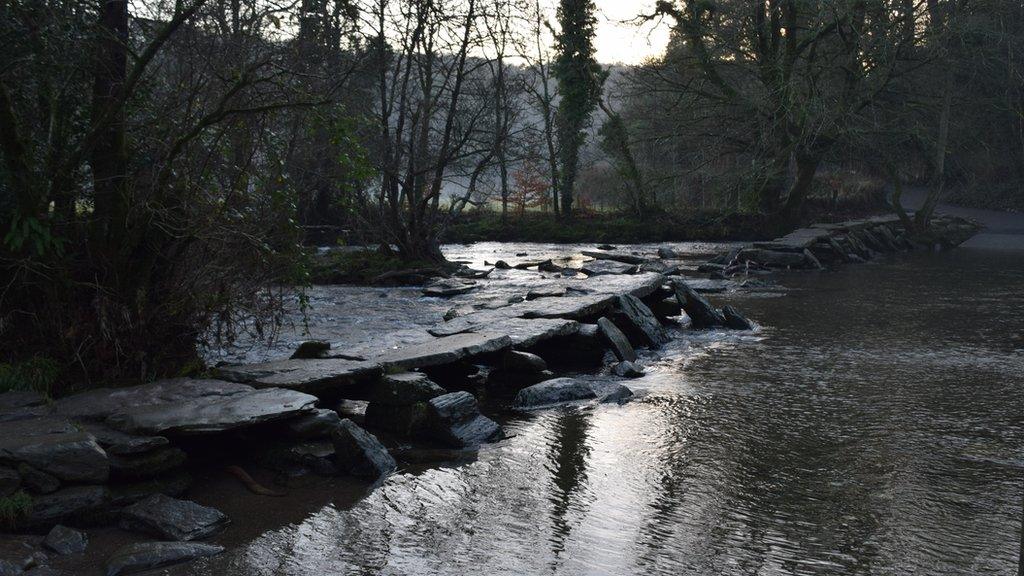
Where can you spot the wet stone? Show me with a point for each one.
(147, 465)
(616, 340)
(317, 376)
(603, 267)
(441, 351)
(615, 256)
(37, 482)
(735, 320)
(217, 414)
(172, 519)
(404, 388)
(702, 314)
(627, 370)
(74, 502)
(115, 442)
(53, 445)
(21, 404)
(408, 420)
(449, 287)
(455, 419)
(638, 322)
(523, 362)
(64, 540)
(551, 392)
(359, 453)
(317, 424)
(147, 556)
(312, 349)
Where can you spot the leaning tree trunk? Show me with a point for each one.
(806, 168)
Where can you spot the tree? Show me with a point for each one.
(579, 86)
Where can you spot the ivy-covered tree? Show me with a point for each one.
(579, 78)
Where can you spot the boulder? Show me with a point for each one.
(408, 420)
(296, 459)
(773, 258)
(218, 414)
(549, 266)
(174, 483)
(404, 388)
(455, 419)
(311, 349)
(667, 253)
(317, 424)
(602, 267)
(320, 376)
(702, 314)
(735, 320)
(359, 453)
(666, 308)
(616, 340)
(74, 502)
(147, 556)
(502, 265)
(565, 390)
(146, 465)
(627, 370)
(638, 322)
(518, 362)
(21, 404)
(607, 247)
(172, 519)
(37, 482)
(115, 442)
(449, 287)
(55, 446)
(64, 540)
(551, 392)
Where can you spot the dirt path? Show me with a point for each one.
(1003, 230)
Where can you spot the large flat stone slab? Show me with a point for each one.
(441, 351)
(615, 256)
(102, 403)
(172, 519)
(208, 415)
(21, 404)
(639, 285)
(607, 267)
(311, 375)
(524, 332)
(570, 307)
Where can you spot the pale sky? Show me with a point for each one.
(621, 40)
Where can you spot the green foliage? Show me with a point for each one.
(580, 78)
(33, 234)
(38, 374)
(14, 507)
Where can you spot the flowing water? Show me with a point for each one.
(873, 425)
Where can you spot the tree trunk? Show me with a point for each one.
(109, 160)
(806, 168)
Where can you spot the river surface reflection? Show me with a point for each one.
(875, 425)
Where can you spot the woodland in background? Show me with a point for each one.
(165, 163)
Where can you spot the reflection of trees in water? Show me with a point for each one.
(567, 461)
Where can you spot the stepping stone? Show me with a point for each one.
(314, 376)
(638, 322)
(702, 314)
(552, 291)
(215, 415)
(115, 442)
(359, 453)
(441, 351)
(735, 320)
(64, 540)
(617, 340)
(139, 557)
(21, 404)
(451, 287)
(523, 362)
(455, 419)
(603, 267)
(408, 420)
(101, 403)
(172, 519)
(616, 256)
(639, 285)
(570, 307)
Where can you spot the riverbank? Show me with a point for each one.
(498, 334)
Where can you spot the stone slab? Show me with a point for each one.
(441, 351)
(313, 376)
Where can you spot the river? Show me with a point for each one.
(873, 425)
